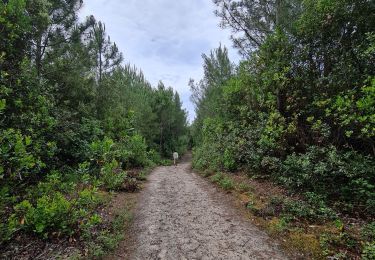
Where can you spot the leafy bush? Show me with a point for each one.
(272, 137)
(132, 152)
(51, 213)
(226, 183)
(112, 176)
(154, 156)
(368, 232)
(312, 208)
(101, 151)
(217, 177)
(18, 156)
(229, 161)
(368, 252)
(320, 169)
(166, 162)
(54, 213)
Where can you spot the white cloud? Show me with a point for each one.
(164, 38)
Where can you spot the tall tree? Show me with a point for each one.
(53, 22)
(252, 21)
(107, 55)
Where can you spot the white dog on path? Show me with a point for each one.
(175, 158)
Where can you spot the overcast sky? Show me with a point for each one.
(164, 38)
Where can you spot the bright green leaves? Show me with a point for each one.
(54, 213)
(16, 157)
(273, 133)
(15, 25)
(355, 111)
(2, 105)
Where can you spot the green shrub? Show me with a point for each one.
(368, 252)
(226, 183)
(88, 198)
(347, 176)
(166, 162)
(243, 187)
(200, 161)
(229, 161)
(52, 213)
(101, 151)
(54, 182)
(313, 209)
(270, 164)
(368, 232)
(209, 154)
(217, 177)
(142, 176)
(154, 156)
(19, 157)
(132, 151)
(112, 176)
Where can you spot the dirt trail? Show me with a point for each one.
(181, 216)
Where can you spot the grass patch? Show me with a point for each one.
(226, 183)
(243, 187)
(217, 177)
(223, 181)
(108, 239)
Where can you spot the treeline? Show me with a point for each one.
(299, 109)
(73, 118)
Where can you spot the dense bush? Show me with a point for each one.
(369, 251)
(343, 176)
(133, 152)
(51, 212)
(112, 176)
(298, 109)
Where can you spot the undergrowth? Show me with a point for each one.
(305, 224)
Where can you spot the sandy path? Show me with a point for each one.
(181, 216)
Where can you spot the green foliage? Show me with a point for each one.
(154, 156)
(368, 232)
(52, 212)
(320, 169)
(217, 177)
(223, 181)
(313, 209)
(166, 162)
(272, 133)
(101, 150)
(112, 176)
(354, 111)
(229, 162)
(299, 107)
(73, 118)
(107, 240)
(330, 242)
(226, 183)
(368, 251)
(133, 152)
(16, 157)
